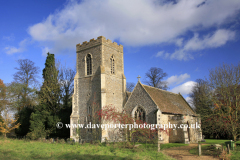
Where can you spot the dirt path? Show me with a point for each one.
(182, 153)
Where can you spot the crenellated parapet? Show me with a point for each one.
(95, 42)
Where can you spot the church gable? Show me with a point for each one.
(140, 98)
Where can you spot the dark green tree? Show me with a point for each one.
(24, 120)
(200, 99)
(43, 120)
(50, 91)
(37, 124)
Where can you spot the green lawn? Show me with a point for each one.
(163, 146)
(20, 149)
(170, 145)
(216, 141)
(236, 154)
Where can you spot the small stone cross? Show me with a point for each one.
(138, 78)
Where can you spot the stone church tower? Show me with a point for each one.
(99, 81)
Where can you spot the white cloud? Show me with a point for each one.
(179, 42)
(184, 88)
(196, 70)
(9, 38)
(12, 49)
(180, 55)
(175, 80)
(189, 100)
(217, 39)
(160, 53)
(45, 50)
(133, 22)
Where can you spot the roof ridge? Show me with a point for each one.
(160, 89)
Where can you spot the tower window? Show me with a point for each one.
(140, 114)
(89, 64)
(112, 65)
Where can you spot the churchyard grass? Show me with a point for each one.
(25, 149)
(236, 154)
(163, 146)
(208, 150)
(216, 141)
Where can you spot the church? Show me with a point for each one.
(100, 80)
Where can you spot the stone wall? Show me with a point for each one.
(176, 135)
(163, 135)
(195, 133)
(179, 134)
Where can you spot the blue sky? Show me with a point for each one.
(185, 38)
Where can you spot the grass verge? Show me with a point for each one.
(216, 141)
(20, 149)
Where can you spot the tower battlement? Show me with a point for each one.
(100, 40)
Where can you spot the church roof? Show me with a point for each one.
(169, 102)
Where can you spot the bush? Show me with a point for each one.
(62, 141)
(24, 120)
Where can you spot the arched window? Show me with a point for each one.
(112, 65)
(89, 64)
(140, 114)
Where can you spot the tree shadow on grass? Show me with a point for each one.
(6, 154)
(10, 154)
(91, 157)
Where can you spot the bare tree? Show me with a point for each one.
(66, 80)
(201, 100)
(27, 72)
(26, 80)
(130, 86)
(224, 82)
(154, 78)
